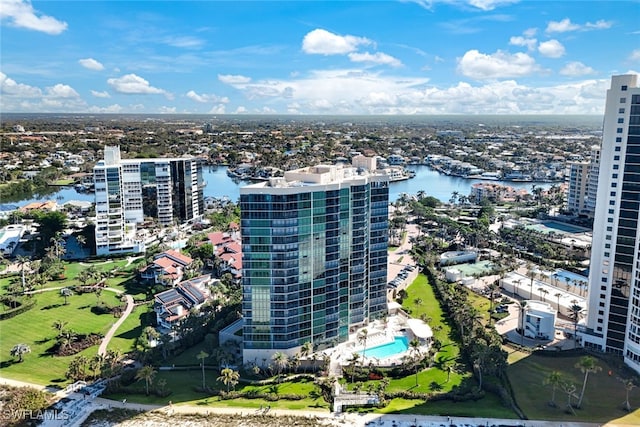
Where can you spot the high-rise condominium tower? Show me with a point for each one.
(168, 190)
(613, 323)
(314, 257)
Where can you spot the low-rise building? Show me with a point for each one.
(537, 319)
(173, 305)
(167, 268)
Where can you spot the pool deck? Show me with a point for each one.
(378, 335)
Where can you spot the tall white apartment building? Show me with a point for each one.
(578, 175)
(130, 190)
(613, 321)
(592, 186)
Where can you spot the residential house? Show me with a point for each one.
(173, 305)
(167, 268)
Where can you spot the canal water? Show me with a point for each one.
(219, 184)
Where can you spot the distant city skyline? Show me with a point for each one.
(312, 57)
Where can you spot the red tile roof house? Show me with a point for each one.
(167, 268)
(173, 305)
(228, 248)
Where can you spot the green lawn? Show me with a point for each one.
(183, 384)
(125, 337)
(603, 397)
(34, 328)
(60, 182)
(429, 306)
(489, 406)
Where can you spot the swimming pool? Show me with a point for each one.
(399, 345)
(562, 275)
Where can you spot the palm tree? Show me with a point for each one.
(554, 379)
(587, 365)
(414, 345)
(558, 295)
(353, 361)
(23, 261)
(305, 351)
(532, 275)
(448, 366)
(281, 360)
(95, 364)
(629, 384)
(59, 326)
(362, 339)
(517, 284)
(19, 350)
(146, 373)
(229, 377)
(570, 390)
(201, 356)
(65, 293)
(574, 314)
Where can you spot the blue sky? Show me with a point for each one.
(315, 57)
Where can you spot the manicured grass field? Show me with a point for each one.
(125, 337)
(34, 329)
(603, 397)
(183, 384)
(489, 406)
(429, 306)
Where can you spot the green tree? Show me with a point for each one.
(19, 350)
(146, 373)
(414, 346)
(629, 384)
(65, 293)
(59, 326)
(229, 377)
(281, 360)
(587, 365)
(362, 339)
(554, 379)
(201, 356)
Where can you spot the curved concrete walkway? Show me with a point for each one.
(102, 350)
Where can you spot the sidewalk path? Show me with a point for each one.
(102, 350)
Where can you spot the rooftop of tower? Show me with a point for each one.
(361, 168)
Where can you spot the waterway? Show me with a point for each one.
(219, 184)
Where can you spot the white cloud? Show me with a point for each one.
(103, 94)
(21, 14)
(634, 55)
(498, 65)
(575, 69)
(166, 110)
(566, 25)
(218, 109)
(133, 84)
(19, 97)
(551, 49)
(480, 4)
(91, 64)
(375, 58)
(204, 98)
(240, 110)
(231, 79)
(598, 25)
(530, 43)
(62, 91)
(530, 32)
(490, 4)
(323, 42)
(114, 108)
(9, 87)
(187, 42)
